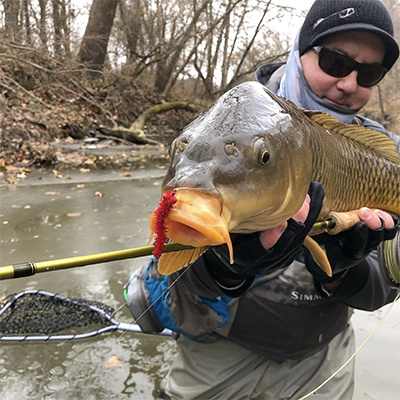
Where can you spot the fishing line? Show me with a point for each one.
(118, 310)
(356, 351)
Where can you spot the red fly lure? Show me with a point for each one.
(165, 206)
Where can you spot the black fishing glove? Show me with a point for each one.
(250, 256)
(348, 249)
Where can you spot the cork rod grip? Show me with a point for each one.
(343, 221)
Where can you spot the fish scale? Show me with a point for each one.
(354, 175)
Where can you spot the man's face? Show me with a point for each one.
(345, 92)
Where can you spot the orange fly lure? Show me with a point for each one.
(164, 207)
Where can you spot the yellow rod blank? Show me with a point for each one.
(30, 268)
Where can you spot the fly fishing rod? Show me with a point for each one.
(30, 268)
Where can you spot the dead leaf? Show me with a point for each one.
(126, 174)
(90, 160)
(11, 168)
(114, 362)
(99, 194)
(84, 170)
(3, 299)
(12, 179)
(74, 214)
(57, 174)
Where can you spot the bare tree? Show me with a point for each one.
(131, 21)
(12, 23)
(225, 52)
(212, 47)
(166, 66)
(167, 34)
(42, 23)
(57, 27)
(238, 73)
(48, 23)
(201, 46)
(28, 31)
(93, 50)
(201, 38)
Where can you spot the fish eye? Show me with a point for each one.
(264, 157)
(261, 151)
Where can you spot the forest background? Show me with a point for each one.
(70, 73)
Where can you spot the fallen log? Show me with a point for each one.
(135, 133)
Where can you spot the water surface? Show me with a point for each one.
(44, 218)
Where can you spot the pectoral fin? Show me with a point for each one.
(318, 255)
(176, 260)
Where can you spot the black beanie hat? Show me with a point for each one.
(327, 17)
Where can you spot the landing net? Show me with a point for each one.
(40, 315)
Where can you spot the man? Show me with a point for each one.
(277, 328)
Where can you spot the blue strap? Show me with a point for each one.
(160, 300)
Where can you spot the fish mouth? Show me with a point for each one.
(197, 219)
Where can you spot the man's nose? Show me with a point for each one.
(348, 84)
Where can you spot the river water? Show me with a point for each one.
(46, 217)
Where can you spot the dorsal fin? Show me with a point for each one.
(377, 141)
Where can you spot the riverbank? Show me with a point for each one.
(86, 156)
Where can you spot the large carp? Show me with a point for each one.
(246, 164)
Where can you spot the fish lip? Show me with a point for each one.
(199, 219)
(185, 216)
(192, 233)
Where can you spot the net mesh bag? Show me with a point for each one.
(41, 314)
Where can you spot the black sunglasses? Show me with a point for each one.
(339, 65)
